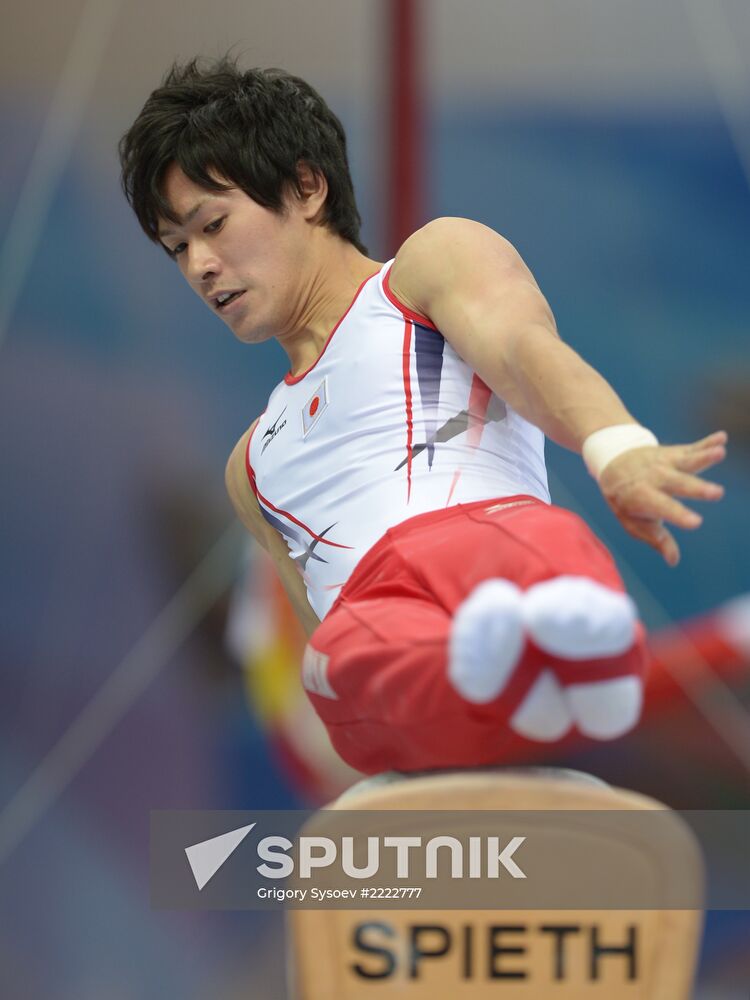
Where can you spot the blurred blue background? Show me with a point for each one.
(606, 144)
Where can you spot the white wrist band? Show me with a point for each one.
(603, 446)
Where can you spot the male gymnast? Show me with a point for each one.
(397, 475)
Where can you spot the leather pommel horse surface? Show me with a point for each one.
(569, 952)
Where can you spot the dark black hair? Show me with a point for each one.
(252, 127)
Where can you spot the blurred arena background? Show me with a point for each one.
(611, 143)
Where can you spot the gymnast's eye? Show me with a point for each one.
(215, 226)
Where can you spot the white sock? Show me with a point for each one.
(579, 619)
(544, 714)
(487, 640)
(604, 710)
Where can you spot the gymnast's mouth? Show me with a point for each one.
(224, 301)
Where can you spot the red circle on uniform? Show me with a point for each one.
(314, 406)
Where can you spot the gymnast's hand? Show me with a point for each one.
(641, 487)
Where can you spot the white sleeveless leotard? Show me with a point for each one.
(388, 423)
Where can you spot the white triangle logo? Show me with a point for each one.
(207, 857)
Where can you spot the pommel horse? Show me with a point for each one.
(565, 952)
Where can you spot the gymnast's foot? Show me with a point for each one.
(567, 619)
(487, 641)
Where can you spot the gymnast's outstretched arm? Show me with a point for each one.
(479, 293)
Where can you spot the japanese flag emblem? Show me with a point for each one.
(315, 407)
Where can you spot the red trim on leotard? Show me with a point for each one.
(248, 466)
(406, 356)
(479, 400)
(454, 483)
(277, 510)
(293, 379)
(291, 517)
(404, 310)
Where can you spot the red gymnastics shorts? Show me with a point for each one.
(376, 668)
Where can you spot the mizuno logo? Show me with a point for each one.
(273, 430)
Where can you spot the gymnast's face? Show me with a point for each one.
(228, 243)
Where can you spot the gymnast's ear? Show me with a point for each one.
(311, 191)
